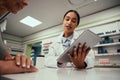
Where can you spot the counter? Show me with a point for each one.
(45, 73)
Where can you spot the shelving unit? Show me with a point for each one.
(108, 53)
(16, 51)
(113, 34)
(108, 65)
(45, 48)
(15, 47)
(108, 44)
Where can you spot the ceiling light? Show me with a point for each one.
(32, 22)
(76, 2)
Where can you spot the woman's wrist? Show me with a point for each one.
(59, 64)
(81, 66)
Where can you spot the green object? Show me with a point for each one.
(37, 50)
(29, 50)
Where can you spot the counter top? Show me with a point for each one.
(68, 74)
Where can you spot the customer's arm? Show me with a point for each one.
(9, 67)
(20, 59)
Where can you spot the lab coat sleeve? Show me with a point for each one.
(90, 59)
(51, 58)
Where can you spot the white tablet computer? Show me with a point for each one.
(86, 36)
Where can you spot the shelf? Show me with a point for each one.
(45, 51)
(108, 44)
(108, 54)
(107, 65)
(15, 53)
(113, 34)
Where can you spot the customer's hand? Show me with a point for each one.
(20, 59)
(9, 67)
(23, 60)
(79, 55)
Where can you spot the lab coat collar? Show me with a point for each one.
(75, 36)
(65, 39)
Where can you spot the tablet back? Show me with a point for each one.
(87, 36)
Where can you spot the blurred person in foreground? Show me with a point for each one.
(12, 64)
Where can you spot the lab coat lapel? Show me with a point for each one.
(60, 50)
(75, 36)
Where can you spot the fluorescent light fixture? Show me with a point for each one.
(76, 2)
(32, 22)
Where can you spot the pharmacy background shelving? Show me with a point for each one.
(112, 57)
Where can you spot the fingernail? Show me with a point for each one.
(32, 64)
(85, 44)
(28, 66)
(18, 54)
(13, 57)
(80, 45)
(23, 65)
(18, 63)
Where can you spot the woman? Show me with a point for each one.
(80, 59)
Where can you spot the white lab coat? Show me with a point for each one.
(56, 49)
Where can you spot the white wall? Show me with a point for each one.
(12, 38)
(43, 35)
(107, 27)
(101, 18)
(93, 22)
(86, 22)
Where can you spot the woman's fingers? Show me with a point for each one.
(84, 47)
(84, 50)
(79, 55)
(79, 49)
(71, 58)
(75, 52)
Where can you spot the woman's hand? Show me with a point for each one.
(79, 55)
